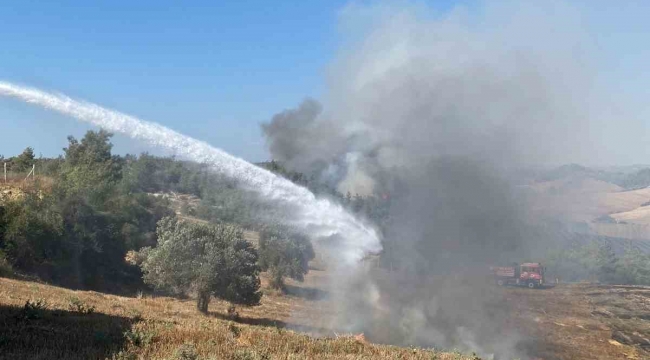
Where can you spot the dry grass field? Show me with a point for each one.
(39, 321)
(584, 321)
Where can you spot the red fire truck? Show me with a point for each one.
(525, 274)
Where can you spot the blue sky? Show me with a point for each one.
(213, 69)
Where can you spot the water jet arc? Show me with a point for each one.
(318, 217)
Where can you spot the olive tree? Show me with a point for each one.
(211, 260)
(284, 253)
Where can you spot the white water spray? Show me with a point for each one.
(320, 218)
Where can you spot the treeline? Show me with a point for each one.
(598, 261)
(98, 207)
(77, 233)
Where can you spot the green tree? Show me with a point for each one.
(32, 237)
(284, 254)
(24, 161)
(607, 263)
(634, 267)
(89, 170)
(210, 260)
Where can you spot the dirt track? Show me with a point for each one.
(584, 321)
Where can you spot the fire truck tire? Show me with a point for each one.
(531, 285)
(500, 282)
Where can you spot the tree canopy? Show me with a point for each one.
(212, 260)
(284, 253)
(24, 161)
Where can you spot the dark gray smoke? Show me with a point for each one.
(440, 112)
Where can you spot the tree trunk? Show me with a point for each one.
(202, 301)
(276, 279)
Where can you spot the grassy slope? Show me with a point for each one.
(584, 200)
(157, 328)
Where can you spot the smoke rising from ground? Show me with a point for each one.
(439, 111)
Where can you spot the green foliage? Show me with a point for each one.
(139, 338)
(78, 234)
(5, 267)
(24, 161)
(77, 305)
(633, 267)
(209, 259)
(284, 254)
(49, 167)
(32, 239)
(186, 352)
(89, 170)
(597, 260)
(100, 209)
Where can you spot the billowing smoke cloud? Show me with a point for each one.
(440, 111)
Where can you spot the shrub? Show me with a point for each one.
(284, 254)
(139, 338)
(77, 305)
(33, 309)
(186, 352)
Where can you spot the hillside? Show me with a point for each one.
(606, 208)
(566, 322)
(65, 324)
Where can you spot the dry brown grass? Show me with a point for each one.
(583, 321)
(15, 188)
(166, 328)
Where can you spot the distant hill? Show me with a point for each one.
(627, 177)
(610, 202)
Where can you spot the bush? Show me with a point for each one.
(209, 259)
(284, 254)
(33, 310)
(77, 305)
(139, 338)
(186, 352)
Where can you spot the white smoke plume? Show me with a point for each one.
(440, 110)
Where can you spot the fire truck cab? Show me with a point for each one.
(531, 274)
